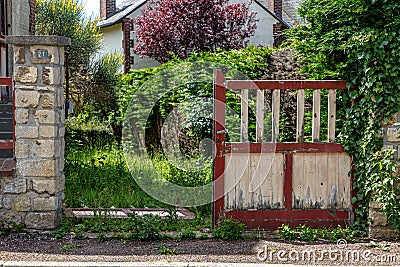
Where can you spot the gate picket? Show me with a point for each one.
(268, 184)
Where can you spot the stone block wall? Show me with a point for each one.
(380, 227)
(33, 196)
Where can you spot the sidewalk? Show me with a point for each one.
(138, 264)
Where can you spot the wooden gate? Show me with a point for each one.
(269, 184)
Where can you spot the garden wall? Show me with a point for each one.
(32, 195)
(380, 227)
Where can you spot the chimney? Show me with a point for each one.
(278, 8)
(275, 6)
(107, 8)
(271, 5)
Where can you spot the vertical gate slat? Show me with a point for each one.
(331, 115)
(322, 191)
(243, 172)
(345, 181)
(229, 184)
(244, 129)
(300, 117)
(276, 102)
(316, 120)
(260, 116)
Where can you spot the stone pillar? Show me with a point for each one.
(380, 227)
(34, 195)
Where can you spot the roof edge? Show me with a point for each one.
(272, 14)
(111, 23)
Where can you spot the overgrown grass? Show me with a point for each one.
(100, 178)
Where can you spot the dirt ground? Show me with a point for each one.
(29, 247)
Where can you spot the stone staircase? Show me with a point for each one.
(7, 162)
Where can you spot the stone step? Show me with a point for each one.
(6, 111)
(6, 125)
(6, 107)
(6, 136)
(6, 153)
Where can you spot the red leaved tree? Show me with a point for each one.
(180, 27)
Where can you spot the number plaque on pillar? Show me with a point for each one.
(41, 53)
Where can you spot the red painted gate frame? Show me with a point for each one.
(273, 218)
(7, 81)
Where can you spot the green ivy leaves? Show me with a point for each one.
(358, 41)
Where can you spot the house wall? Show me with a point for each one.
(20, 17)
(263, 35)
(290, 14)
(140, 62)
(112, 41)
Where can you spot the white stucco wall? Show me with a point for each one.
(112, 39)
(264, 35)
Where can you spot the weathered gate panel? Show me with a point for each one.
(253, 182)
(268, 184)
(321, 181)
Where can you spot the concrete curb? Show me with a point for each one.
(140, 264)
(135, 264)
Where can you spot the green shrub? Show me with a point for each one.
(341, 233)
(88, 134)
(144, 228)
(251, 61)
(187, 235)
(305, 233)
(167, 250)
(286, 233)
(229, 229)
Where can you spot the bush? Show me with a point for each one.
(305, 233)
(88, 134)
(168, 27)
(229, 229)
(251, 61)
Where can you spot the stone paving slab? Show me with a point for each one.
(125, 213)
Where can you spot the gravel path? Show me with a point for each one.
(26, 247)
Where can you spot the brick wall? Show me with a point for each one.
(279, 38)
(128, 43)
(107, 8)
(271, 5)
(278, 8)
